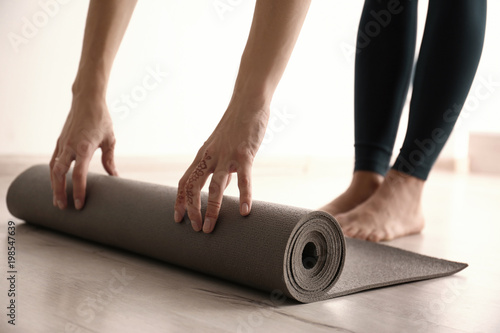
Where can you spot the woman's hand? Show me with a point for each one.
(233, 144)
(231, 148)
(87, 128)
(88, 125)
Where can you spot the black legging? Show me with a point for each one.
(448, 59)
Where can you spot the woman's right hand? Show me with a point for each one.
(230, 149)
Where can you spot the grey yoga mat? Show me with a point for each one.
(300, 253)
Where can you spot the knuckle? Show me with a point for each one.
(179, 199)
(198, 173)
(84, 148)
(192, 200)
(178, 204)
(68, 148)
(111, 142)
(232, 166)
(245, 152)
(212, 214)
(244, 181)
(214, 189)
(193, 209)
(108, 161)
(203, 152)
(107, 154)
(55, 174)
(58, 170)
(213, 206)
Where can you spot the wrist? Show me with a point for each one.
(89, 85)
(92, 77)
(251, 98)
(253, 89)
(89, 94)
(257, 80)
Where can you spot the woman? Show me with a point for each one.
(376, 206)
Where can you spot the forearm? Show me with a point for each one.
(275, 28)
(106, 24)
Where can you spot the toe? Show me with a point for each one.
(375, 236)
(350, 231)
(363, 233)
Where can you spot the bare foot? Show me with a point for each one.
(363, 185)
(393, 211)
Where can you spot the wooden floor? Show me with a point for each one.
(68, 285)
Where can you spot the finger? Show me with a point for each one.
(216, 189)
(229, 177)
(80, 176)
(245, 187)
(61, 167)
(51, 167)
(193, 188)
(180, 201)
(108, 156)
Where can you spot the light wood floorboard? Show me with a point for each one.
(63, 283)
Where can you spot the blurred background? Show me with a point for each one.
(192, 50)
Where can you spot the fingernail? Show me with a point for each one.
(177, 216)
(60, 204)
(78, 204)
(195, 225)
(207, 226)
(245, 209)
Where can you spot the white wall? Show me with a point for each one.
(199, 48)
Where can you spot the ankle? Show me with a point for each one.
(367, 180)
(403, 186)
(395, 177)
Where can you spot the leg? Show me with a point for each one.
(447, 64)
(450, 52)
(384, 61)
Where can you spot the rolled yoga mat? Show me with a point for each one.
(300, 253)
